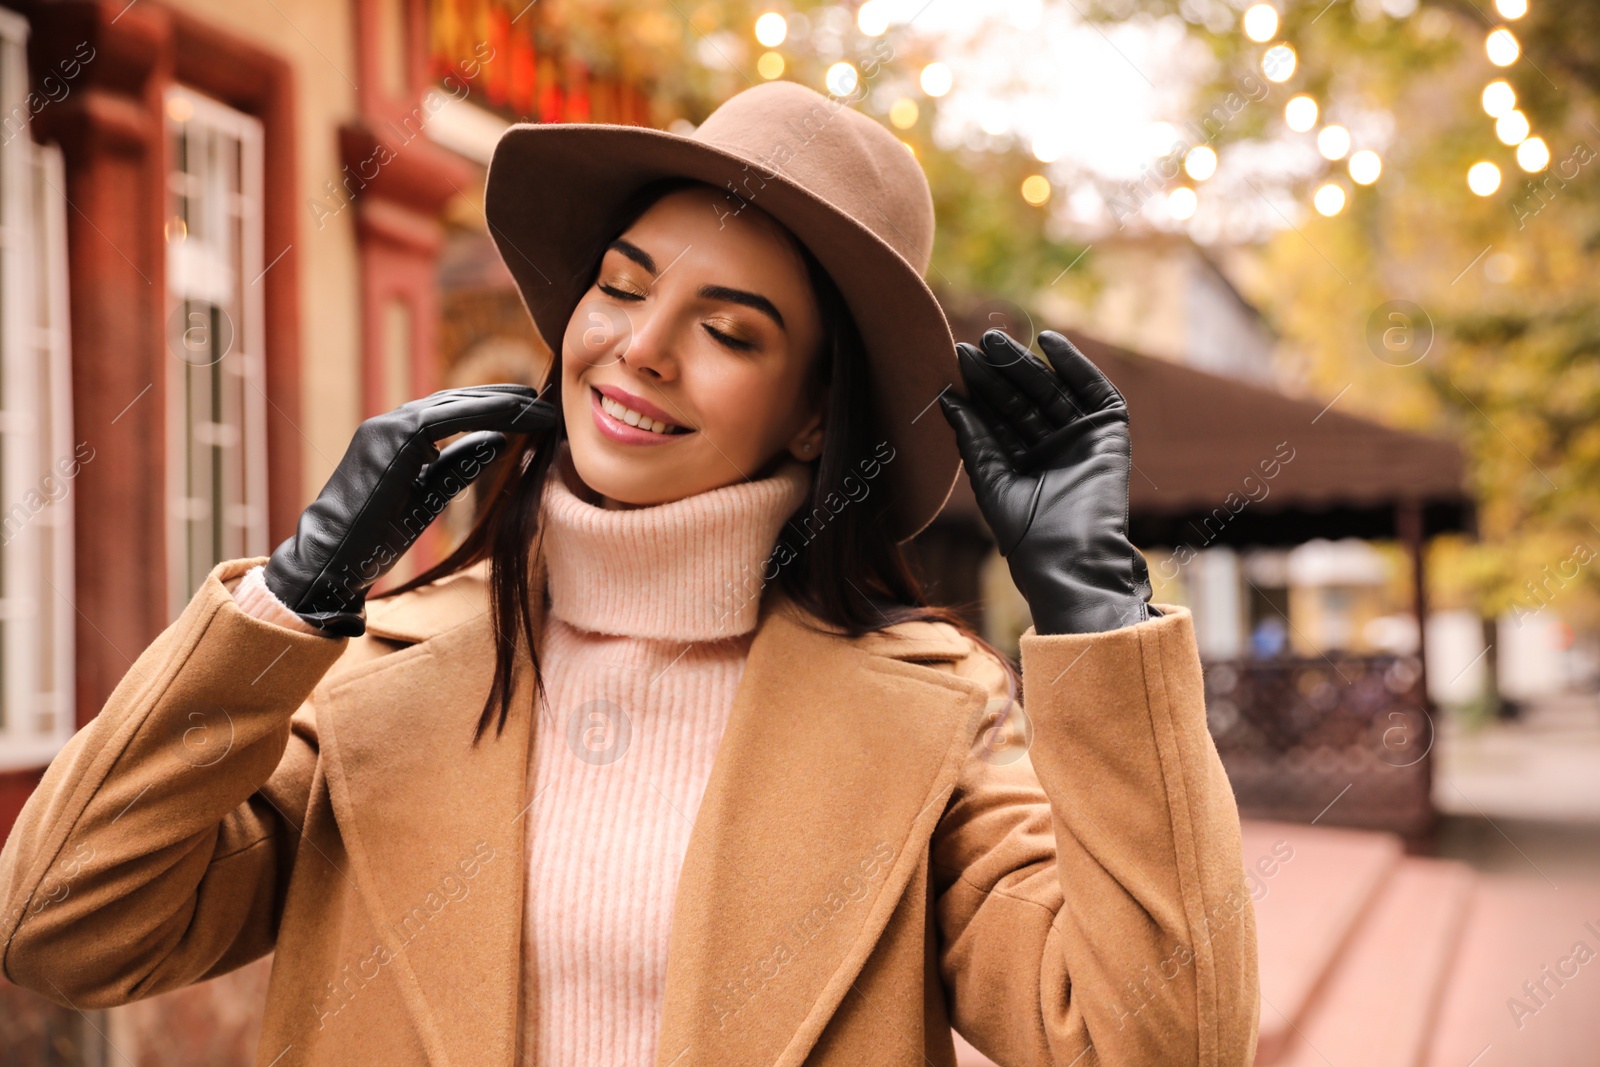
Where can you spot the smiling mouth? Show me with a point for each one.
(623, 413)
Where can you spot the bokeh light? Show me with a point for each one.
(1329, 199)
(1512, 127)
(1182, 203)
(842, 79)
(903, 113)
(1036, 189)
(1502, 47)
(1333, 142)
(1301, 114)
(1533, 155)
(1483, 178)
(1498, 98)
(1511, 9)
(770, 65)
(1200, 163)
(771, 29)
(1278, 64)
(1261, 22)
(936, 79)
(873, 18)
(1365, 166)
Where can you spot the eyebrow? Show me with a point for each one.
(708, 292)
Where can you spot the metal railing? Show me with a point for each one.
(1340, 740)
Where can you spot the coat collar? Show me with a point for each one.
(834, 768)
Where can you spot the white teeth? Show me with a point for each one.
(631, 417)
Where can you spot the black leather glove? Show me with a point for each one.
(392, 482)
(1048, 455)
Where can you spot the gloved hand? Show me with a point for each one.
(392, 482)
(1048, 455)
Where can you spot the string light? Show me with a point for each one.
(1301, 114)
(872, 19)
(1498, 98)
(1182, 203)
(841, 79)
(1333, 142)
(1329, 200)
(936, 79)
(1502, 47)
(1261, 23)
(1278, 64)
(1533, 155)
(1512, 127)
(1200, 163)
(771, 29)
(1365, 166)
(1483, 178)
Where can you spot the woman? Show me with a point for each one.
(671, 762)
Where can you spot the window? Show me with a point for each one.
(38, 459)
(216, 399)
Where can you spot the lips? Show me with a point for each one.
(611, 419)
(637, 411)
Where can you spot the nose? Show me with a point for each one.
(649, 348)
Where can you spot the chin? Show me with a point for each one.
(637, 481)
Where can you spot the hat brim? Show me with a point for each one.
(553, 189)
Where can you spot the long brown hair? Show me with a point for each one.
(840, 563)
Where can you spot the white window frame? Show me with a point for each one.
(216, 467)
(37, 452)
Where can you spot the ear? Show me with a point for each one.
(806, 445)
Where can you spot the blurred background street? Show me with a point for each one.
(1339, 256)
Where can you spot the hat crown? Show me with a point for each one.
(832, 151)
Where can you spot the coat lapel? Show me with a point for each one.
(835, 766)
(434, 825)
(833, 771)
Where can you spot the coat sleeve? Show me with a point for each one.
(1090, 888)
(157, 848)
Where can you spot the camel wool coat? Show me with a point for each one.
(864, 871)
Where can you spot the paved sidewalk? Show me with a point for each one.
(1544, 766)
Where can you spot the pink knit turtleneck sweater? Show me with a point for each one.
(651, 615)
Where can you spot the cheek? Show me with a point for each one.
(595, 333)
(743, 406)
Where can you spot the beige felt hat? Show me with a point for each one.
(844, 185)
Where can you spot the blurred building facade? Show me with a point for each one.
(230, 232)
(229, 238)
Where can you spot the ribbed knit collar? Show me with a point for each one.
(688, 570)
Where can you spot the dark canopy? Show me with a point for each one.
(1219, 461)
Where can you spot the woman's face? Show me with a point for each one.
(703, 322)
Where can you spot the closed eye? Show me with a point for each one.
(732, 342)
(735, 343)
(620, 294)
